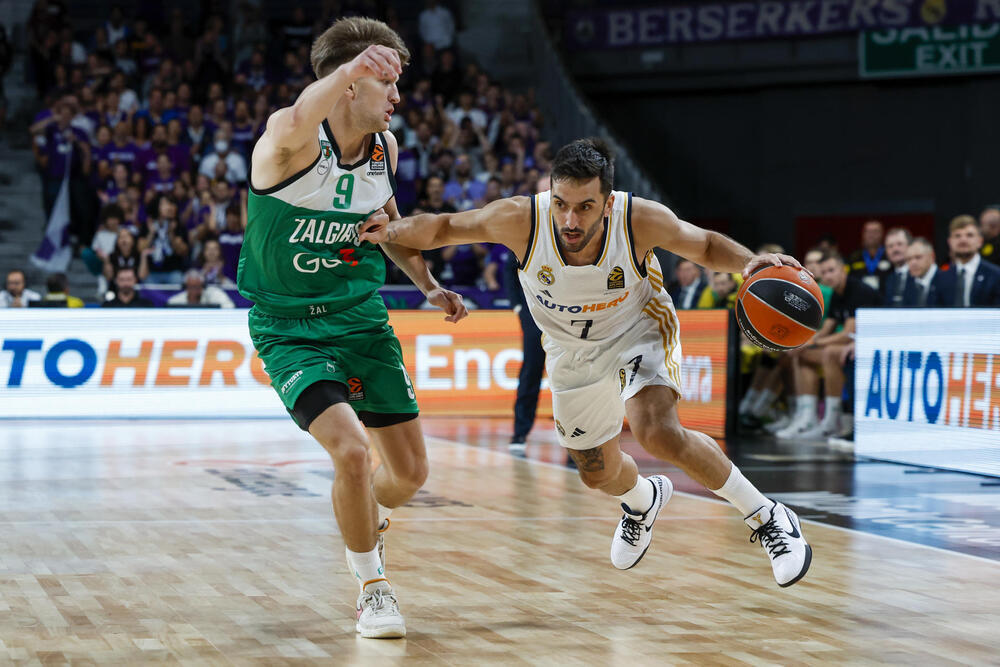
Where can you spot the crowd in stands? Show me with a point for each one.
(892, 269)
(155, 123)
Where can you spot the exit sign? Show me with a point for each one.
(963, 49)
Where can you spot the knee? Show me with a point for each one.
(413, 474)
(351, 459)
(597, 479)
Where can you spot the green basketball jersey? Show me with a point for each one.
(301, 256)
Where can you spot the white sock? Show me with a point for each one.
(764, 401)
(805, 407)
(741, 493)
(383, 514)
(640, 497)
(365, 566)
(832, 414)
(749, 401)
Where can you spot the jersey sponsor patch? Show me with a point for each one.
(616, 279)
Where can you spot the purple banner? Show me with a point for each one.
(665, 24)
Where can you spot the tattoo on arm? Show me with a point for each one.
(588, 460)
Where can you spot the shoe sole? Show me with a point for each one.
(665, 501)
(382, 633)
(809, 556)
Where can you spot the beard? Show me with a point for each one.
(587, 236)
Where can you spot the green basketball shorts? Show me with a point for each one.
(355, 347)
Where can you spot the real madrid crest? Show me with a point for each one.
(545, 275)
(616, 279)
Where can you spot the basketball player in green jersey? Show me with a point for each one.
(323, 166)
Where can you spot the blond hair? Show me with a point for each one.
(348, 37)
(962, 221)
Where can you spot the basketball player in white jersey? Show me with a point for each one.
(321, 328)
(612, 339)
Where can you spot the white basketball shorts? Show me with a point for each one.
(591, 384)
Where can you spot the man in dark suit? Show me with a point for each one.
(690, 283)
(869, 263)
(529, 380)
(970, 280)
(897, 241)
(921, 287)
(989, 223)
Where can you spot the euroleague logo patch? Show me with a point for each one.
(355, 389)
(616, 279)
(376, 165)
(545, 275)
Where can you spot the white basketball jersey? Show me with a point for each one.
(583, 305)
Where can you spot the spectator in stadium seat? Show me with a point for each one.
(166, 242)
(465, 109)
(125, 294)
(162, 180)
(15, 293)
(446, 79)
(297, 31)
(722, 291)
(897, 240)
(212, 265)
(463, 191)
(126, 255)
(57, 292)
(824, 352)
(989, 223)
(969, 281)
(869, 263)
(236, 166)
(115, 26)
(689, 285)
(231, 236)
(122, 149)
(198, 133)
(437, 26)
(921, 287)
(244, 129)
(197, 293)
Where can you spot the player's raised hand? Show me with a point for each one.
(378, 61)
(375, 229)
(449, 302)
(772, 258)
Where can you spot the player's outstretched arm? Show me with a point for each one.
(654, 225)
(291, 128)
(505, 221)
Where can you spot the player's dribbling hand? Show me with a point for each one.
(449, 302)
(378, 61)
(375, 229)
(770, 258)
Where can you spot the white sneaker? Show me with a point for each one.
(378, 612)
(799, 424)
(780, 423)
(634, 531)
(380, 543)
(779, 532)
(820, 431)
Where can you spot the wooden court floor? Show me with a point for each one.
(213, 543)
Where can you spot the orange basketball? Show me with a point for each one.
(779, 307)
